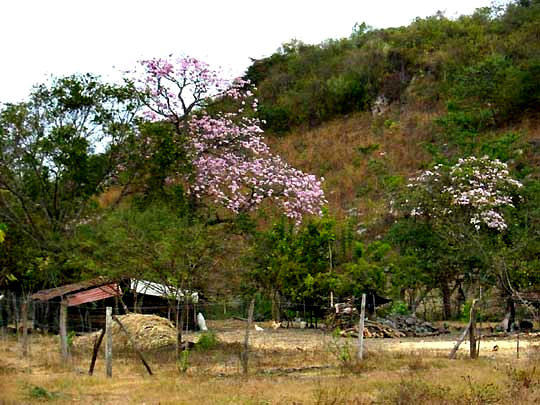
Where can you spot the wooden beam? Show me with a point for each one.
(97, 343)
(63, 331)
(139, 353)
(245, 354)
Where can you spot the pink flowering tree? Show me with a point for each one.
(233, 166)
(454, 216)
(476, 189)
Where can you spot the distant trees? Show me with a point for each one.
(486, 62)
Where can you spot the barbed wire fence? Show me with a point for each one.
(44, 316)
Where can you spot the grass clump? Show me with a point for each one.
(37, 392)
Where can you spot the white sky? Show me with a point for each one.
(39, 38)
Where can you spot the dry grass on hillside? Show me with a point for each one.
(340, 152)
(355, 174)
(286, 366)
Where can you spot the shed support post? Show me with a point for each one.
(63, 331)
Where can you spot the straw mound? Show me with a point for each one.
(148, 331)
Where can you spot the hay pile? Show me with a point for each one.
(149, 332)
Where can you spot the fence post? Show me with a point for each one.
(361, 328)
(472, 332)
(517, 345)
(24, 314)
(245, 354)
(108, 341)
(63, 331)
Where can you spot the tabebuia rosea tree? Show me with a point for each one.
(233, 166)
(475, 189)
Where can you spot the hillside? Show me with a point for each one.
(368, 111)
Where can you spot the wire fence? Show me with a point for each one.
(44, 316)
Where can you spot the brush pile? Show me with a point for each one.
(412, 326)
(394, 326)
(149, 332)
(373, 329)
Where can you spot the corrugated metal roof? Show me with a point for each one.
(95, 294)
(45, 295)
(161, 290)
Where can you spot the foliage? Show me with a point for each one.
(183, 362)
(38, 392)
(153, 243)
(399, 308)
(484, 64)
(295, 263)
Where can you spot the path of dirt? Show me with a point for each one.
(309, 339)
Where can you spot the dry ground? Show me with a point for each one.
(295, 366)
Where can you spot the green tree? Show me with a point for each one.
(58, 150)
(294, 264)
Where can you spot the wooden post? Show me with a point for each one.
(473, 354)
(517, 346)
(24, 314)
(245, 354)
(461, 338)
(108, 341)
(361, 328)
(133, 344)
(467, 329)
(97, 343)
(63, 331)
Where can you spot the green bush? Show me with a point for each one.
(207, 341)
(399, 308)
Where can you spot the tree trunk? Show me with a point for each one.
(510, 317)
(178, 310)
(447, 303)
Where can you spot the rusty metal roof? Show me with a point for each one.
(94, 294)
(45, 295)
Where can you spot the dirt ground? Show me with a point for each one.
(286, 366)
(317, 339)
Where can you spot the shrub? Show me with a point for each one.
(207, 341)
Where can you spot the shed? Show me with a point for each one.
(48, 302)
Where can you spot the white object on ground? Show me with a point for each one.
(201, 322)
(258, 328)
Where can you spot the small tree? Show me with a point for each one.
(155, 244)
